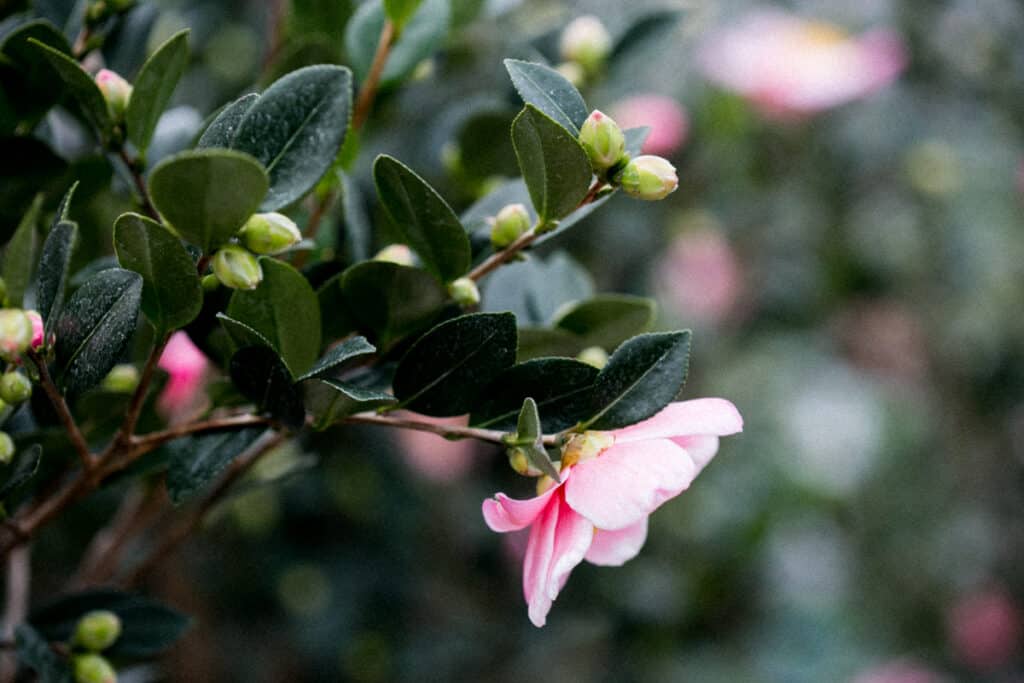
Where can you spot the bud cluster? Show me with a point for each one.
(20, 332)
(235, 265)
(646, 177)
(96, 631)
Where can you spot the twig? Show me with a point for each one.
(63, 413)
(448, 431)
(138, 399)
(148, 442)
(140, 183)
(19, 582)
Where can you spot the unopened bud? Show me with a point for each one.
(122, 379)
(585, 446)
(511, 223)
(38, 330)
(15, 333)
(7, 449)
(395, 253)
(603, 140)
(98, 630)
(464, 292)
(269, 233)
(593, 355)
(116, 91)
(15, 388)
(237, 268)
(93, 668)
(587, 42)
(649, 177)
(521, 464)
(210, 283)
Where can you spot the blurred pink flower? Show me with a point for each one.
(984, 629)
(790, 67)
(700, 277)
(187, 367)
(899, 671)
(886, 337)
(37, 328)
(434, 457)
(609, 486)
(667, 119)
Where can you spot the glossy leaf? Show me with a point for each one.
(445, 371)
(535, 289)
(54, 270)
(422, 35)
(607, 320)
(426, 222)
(541, 342)
(21, 471)
(206, 195)
(560, 386)
(335, 319)
(554, 165)
(27, 75)
(81, 86)
(221, 130)
(296, 128)
(171, 294)
(195, 461)
(153, 87)
(550, 92)
(330, 400)
(20, 254)
(339, 355)
(241, 335)
(390, 301)
(35, 652)
(262, 377)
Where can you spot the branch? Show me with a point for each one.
(140, 183)
(369, 90)
(131, 417)
(61, 407)
(447, 431)
(148, 442)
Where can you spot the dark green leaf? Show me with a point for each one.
(21, 471)
(206, 195)
(342, 353)
(262, 377)
(221, 130)
(425, 220)
(540, 342)
(607, 320)
(486, 145)
(331, 400)
(528, 426)
(95, 327)
(20, 254)
(646, 29)
(643, 376)
(54, 267)
(391, 301)
(422, 36)
(153, 88)
(27, 75)
(196, 461)
(550, 92)
(535, 289)
(285, 310)
(81, 86)
(357, 228)
(444, 372)
(171, 294)
(560, 386)
(35, 652)
(529, 439)
(296, 128)
(554, 165)
(242, 335)
(335, 319)
(400, 11)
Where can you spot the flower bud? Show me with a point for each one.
(93, 668)
(649, 177)
(464, 292)
(237, 268)
(511, 223)
(37, 329)
(269, 233)
(603, 140)
(97, 630)
(15, 333)
(593, 355)
(521, 464)
(116, 91)
(573, 73)
(585, 446)
(122, 379)
(15, 388)
(7, 449)
(587, 42)
(395, 253)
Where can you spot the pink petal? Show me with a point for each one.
(504, 514)
(615, 548)
(700, 448)
(559, 540)
(711, 416)
(629, 481)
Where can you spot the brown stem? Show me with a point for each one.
(369, 90)
(63, 413)
(448, 431)
(138, 399)
(147, 442)
(19, 582)
(140, 183)
(104, 554)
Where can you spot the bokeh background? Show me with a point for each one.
(854, 278)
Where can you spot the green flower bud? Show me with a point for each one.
(15, 388)
(98, 630)
(210, 282)
(649, 177)
(122, 379)
(15, 333)
(603, 140)
(511, 223)
(587, 42)
(7, 449)
(116, 91)
(237, 268)
(521, 464)
(269, 233)
(593, 355)
(93, 668)
(395, 253)
(464, 292)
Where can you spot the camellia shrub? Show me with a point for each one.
(222, 323)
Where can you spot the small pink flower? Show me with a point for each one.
(700, 277)
(667, 119)
(598, 512)
(187, 367)
(790, 67)
(37, 329)
(434, 457)
(985, 629)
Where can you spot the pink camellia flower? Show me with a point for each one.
(187, 367)
(434, 457)
(985, 629)
(790, 67)
(610, 483)
(699, 276)
(667, 119)
(37, 329)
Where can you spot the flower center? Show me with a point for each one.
(585, 446)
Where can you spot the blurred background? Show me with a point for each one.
(846, 244)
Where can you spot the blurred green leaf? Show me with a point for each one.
(400, 11)
(35, 651)
(645, 29)
(540, 342)
(153, 88)
(390, 301)
(81, 86)
(486, 145)
(549, 92)
(335, 319)
(535, 289)
(262, 377)
(422, 36)
(21, 471)
(607, 320)
(20, 254)
(26, 75)
(560, 387)
(221, 130)
(195, 461)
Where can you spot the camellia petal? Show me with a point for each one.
(559, 540)
(505, 514)
(615, 548)
(707, 416)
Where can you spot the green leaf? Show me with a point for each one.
(338, 355)
(54, 268)
(221, 130)
(550, 92)
(241, 335)
(147, 626)
(529, 438)
(296, 128)
(330, 400)
(643, 376)
(541, 342)
(422, 35)
(335, 319)
(391, 301)
(488, 149)
(425, 220)
(645, 31)
(207, 195)
(400, 11)
(20, 254)
(607, 320)
(262, 377)
(81, 86)
(27, 75)
(285, 310)
(196, 461)
(535, 289)
(554, 165)
(444, 372)
(22, 470)
(95, 327)
(153, 88)
(560, 386)
(171, 293)
(35, 651)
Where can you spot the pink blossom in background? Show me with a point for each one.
(598, 512)
(900, 671)
(884, 336)
(667, 119)
(434, 457)
(699, 278)
(187, 366)
(790, 67)
(984, 629)
(37, 328)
